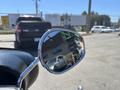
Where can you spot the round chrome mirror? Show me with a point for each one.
(60, 50)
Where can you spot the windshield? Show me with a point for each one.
(31, 25)
(23, 22)
(28, 19)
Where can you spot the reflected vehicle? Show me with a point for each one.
(62, 50)
(60, 63)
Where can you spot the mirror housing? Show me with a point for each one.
(60, 50)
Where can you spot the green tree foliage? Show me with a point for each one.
(84, 13)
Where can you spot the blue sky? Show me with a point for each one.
(110, 7)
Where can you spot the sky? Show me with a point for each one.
(109, 7)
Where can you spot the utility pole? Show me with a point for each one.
(89, 15)
(37, 7)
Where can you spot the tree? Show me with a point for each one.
(96, 19)
(84, 13)
(105, 20)
(118, 24)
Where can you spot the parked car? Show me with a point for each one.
(108, 29)
(117, 30)
(28, 32)
(101, 29)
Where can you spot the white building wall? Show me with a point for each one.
(74, 20)
(78, 20)
(12, 19)
(54, 19)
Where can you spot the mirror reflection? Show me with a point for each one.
(62, 50)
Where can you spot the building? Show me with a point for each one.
(63, 20)
(78, 20)
(10, 19)
(5, 21)
(54, 19)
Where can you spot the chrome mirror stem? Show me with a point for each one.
(27, 71)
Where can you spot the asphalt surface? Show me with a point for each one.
(99, 70)
(7, 41)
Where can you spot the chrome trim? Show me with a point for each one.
(26, 72)
(42, 40)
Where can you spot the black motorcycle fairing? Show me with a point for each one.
(13, 63)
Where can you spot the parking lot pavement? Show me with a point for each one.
(7, 41)
(7, 38)
(98, 71)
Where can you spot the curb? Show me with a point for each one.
(7, 32)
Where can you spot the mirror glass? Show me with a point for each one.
(62, 50)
